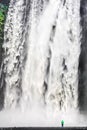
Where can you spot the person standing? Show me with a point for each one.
(62, 123)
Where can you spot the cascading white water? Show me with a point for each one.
(40, 66)
(53, 42)
(51, 34)
(13, 46)
(63, 78)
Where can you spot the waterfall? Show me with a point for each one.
(43, 71)
(50, 76)
(41, 54)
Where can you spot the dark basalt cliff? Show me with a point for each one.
(82, 86)
(3, 13)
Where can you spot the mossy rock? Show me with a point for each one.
(3, 12)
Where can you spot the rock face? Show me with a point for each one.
(3, 12)
(6, 2)
(83, 58)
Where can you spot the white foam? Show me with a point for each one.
(39, 117)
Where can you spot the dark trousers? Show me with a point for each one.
(62, 125)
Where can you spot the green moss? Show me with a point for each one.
(1, 23)
(3, 13)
